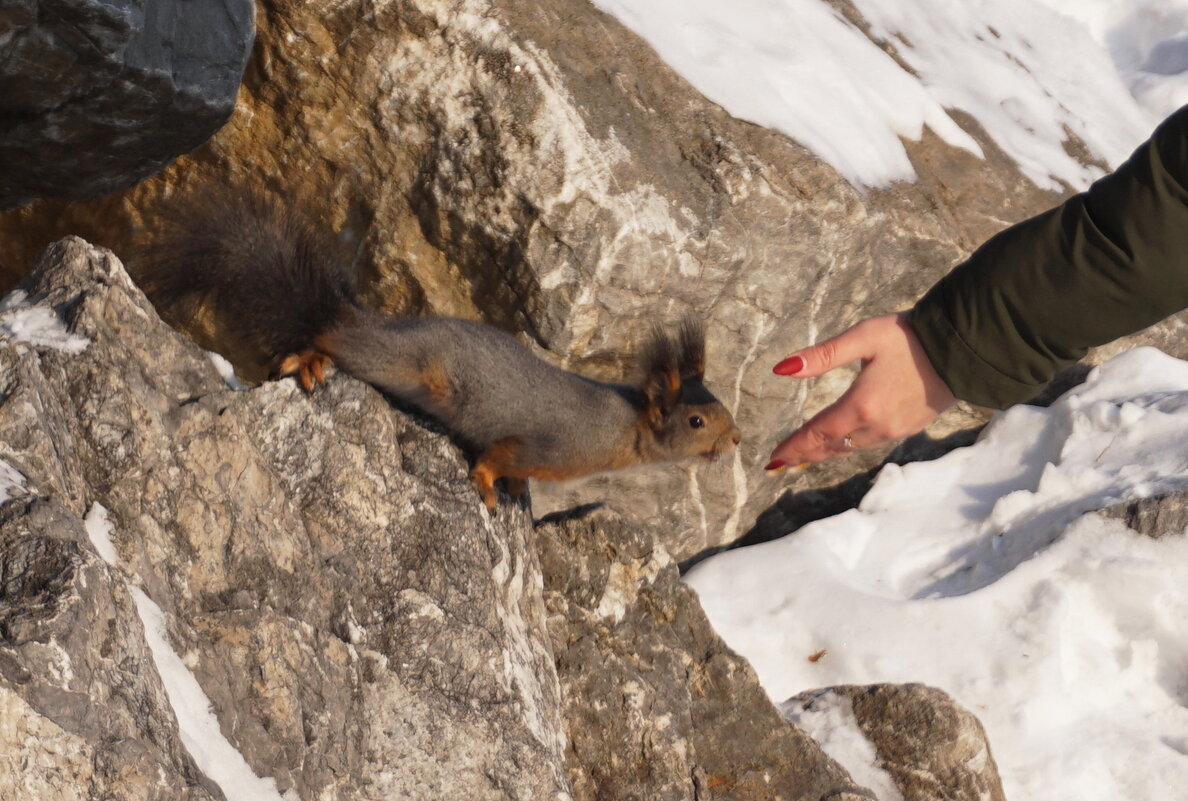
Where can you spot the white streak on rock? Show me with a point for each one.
(99, 530)
(200, 732)
(12, 482)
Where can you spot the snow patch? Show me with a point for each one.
(226, 371)
(980, 573)
(37, 325)
(1028, 72)
(829, 719)
(220, 761)
(214, 755)
(99, 530)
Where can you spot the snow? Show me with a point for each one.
(226, 371)
(98, 529)
(200, 733)
(37, 325)
(1026, 70)
(829, 719)
(11, 481)
(214, 755)
(980, 573)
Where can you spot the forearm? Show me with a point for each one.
(1034, 298)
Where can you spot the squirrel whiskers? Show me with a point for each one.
(264, 286)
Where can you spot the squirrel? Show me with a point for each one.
(270, 282)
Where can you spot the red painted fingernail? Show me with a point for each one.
(790, 366)
(776, 464)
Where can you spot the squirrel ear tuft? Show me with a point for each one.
(691, 348)
(661, 383)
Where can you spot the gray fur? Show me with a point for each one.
(277, 285)
(501, 388)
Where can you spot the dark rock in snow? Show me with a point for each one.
(1160, 516)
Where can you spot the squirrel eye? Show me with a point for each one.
(696, 421)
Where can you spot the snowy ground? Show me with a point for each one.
(1025, 69)
(978, 573)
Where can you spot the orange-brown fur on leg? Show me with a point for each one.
(483, 478)
(497, 461)
(309, 366)
(503, 460)
(436, 382)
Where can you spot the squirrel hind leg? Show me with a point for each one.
(499, 460)
(309, 366)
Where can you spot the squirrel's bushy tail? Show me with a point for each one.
(253, 269)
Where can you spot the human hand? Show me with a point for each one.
(896, 394)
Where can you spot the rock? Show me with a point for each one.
(656, 705)
(360, 625)
(95, 96)
(83, 713)
(1160, 516)
(537, 166)
(319, 570)
(932, 748)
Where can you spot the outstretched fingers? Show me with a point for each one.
(897, 392)
(835, 431)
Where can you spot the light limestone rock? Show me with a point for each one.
(361, 626)
(537, 166)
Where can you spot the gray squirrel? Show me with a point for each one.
(244, 264)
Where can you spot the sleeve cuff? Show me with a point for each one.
(968, 376)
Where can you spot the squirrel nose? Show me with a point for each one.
(736, 436)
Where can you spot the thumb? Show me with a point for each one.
(849, 346)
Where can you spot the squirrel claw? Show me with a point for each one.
(309, 366)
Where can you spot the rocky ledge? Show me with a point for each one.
(212, 593)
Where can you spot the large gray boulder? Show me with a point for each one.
(536, 165)
(360, 625)
(95, 96)
(320, 572)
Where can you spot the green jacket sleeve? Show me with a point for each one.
(1037, 296)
